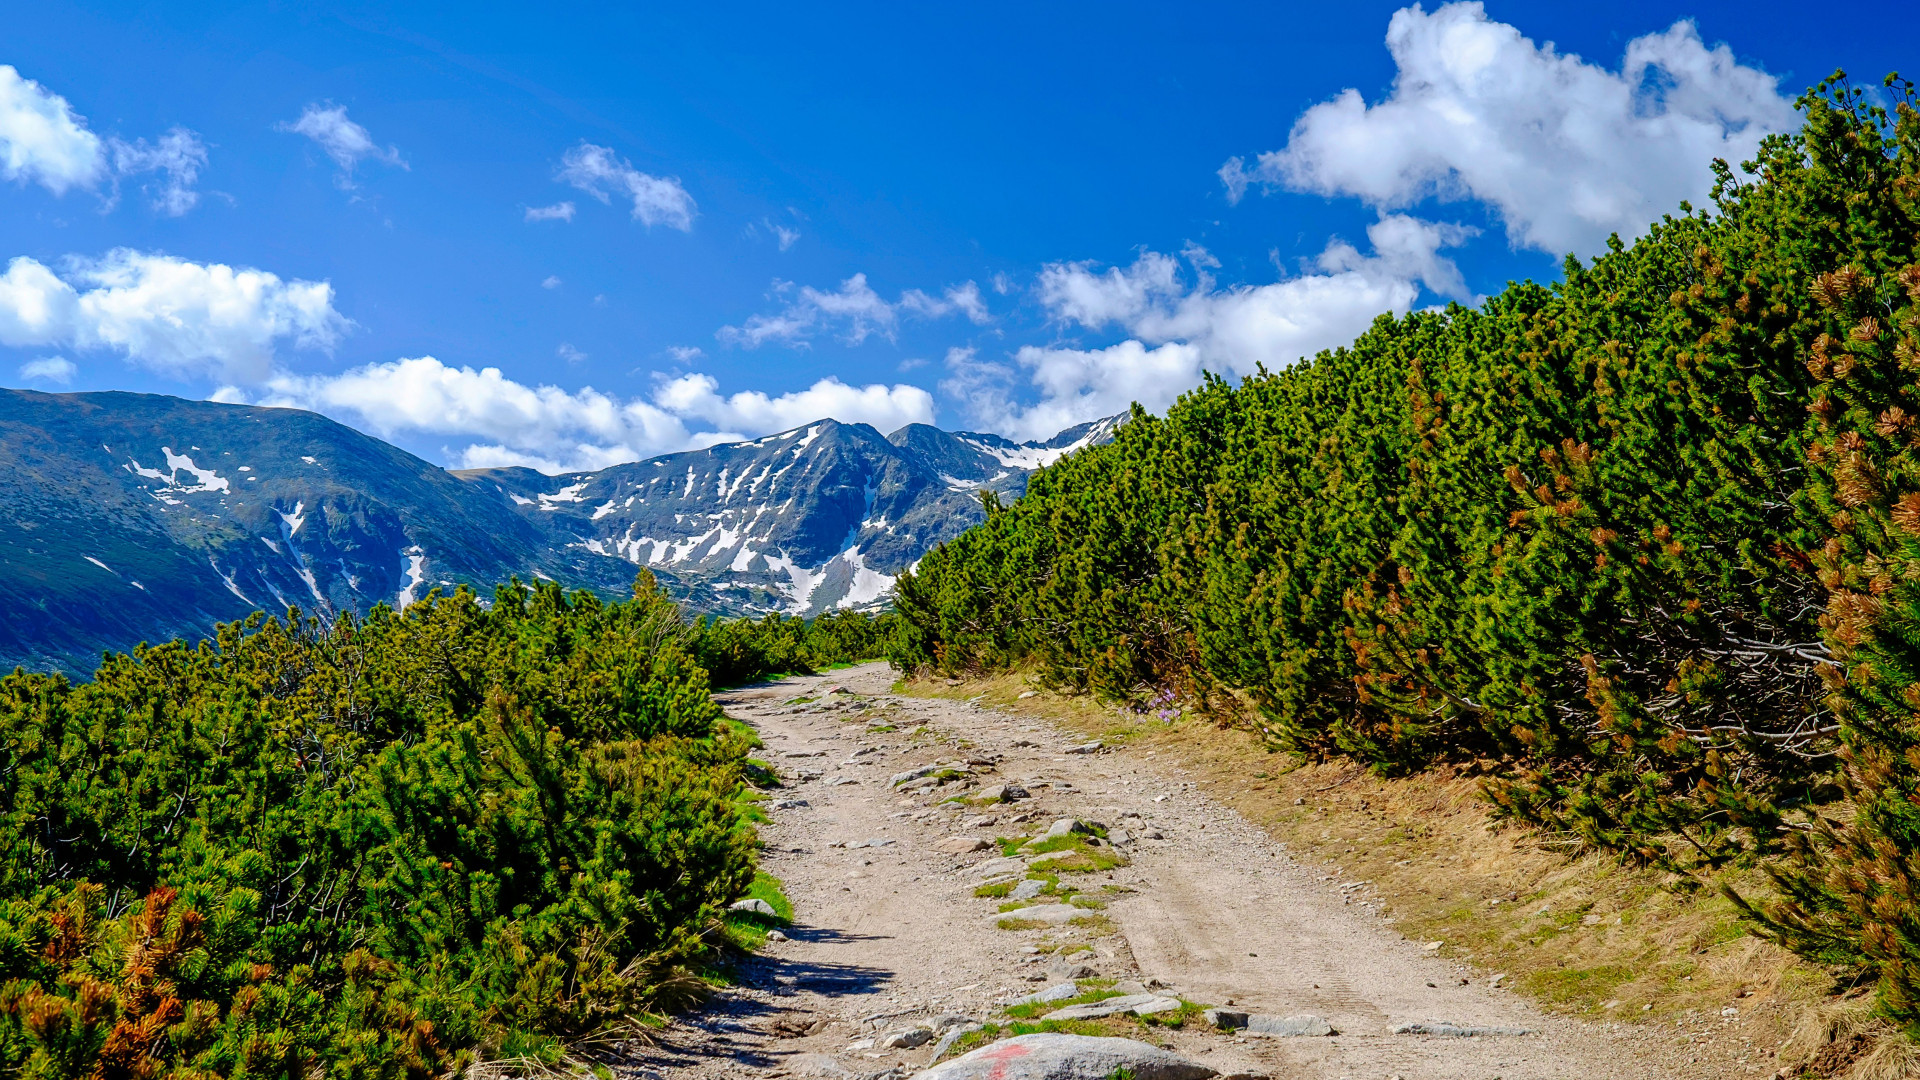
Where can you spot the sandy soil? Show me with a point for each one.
(889, 933)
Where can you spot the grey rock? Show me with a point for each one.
(876, 841)
(1137, 1004)
(789, 804)
(1280, 1027)
(906, 1038)
(1052, 1056)
(1064, 827)
(1027, 889)
(1001, 793)
(840, 781)
(1071, 971)
(1119, 837)
(1458, 1031)
(913, 774)
(1057, 992)
(753, 906)
(775, 935)
(806, 753)
(1224, 1019)
(918, 785)
(954, 1034)
(1128, 986)
(948, 1021)
(993, 867)
(1050, 914)
(1086, 748)
(818, 1065)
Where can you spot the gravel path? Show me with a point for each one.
(889, 931)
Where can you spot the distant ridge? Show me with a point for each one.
(141, 517)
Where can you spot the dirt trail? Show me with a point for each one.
(892, 931)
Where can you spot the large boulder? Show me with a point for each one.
(1053, 1056)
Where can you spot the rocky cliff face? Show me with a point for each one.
(134, 517)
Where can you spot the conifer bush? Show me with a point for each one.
(1643, 543)
(381, 848)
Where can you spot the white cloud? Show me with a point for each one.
(552, 282)
(685, 354)
(885, 407)
(1177, 331)
(179, 155)
(42, 140)
(1565, 151)
(657, 200)
(346, 142)
(568, 353)
(560, 211)
(786, 237)
(961, 299)
(54, 369)
(854, 310)
(555, 430)
(178, 317)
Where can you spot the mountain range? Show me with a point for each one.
(139, 517)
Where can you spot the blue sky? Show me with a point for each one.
(505, 236)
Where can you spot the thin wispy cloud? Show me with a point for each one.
(560, 211)
(342, 140)
(853, 312)
(657, 200)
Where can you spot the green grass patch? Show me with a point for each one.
(1021, 924)
(995, 891)
(1072, 858)
(1578, 986)
(748, 930)
(1041, 1008)
(760, 774)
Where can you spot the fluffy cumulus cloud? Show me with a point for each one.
(1179, 323)
(43, 141)
(853, 312)
(178, 317)
(598, 171)
(346, 142)
(1564, 151)
(505, 422)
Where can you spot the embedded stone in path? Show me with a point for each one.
(1000, 793)
(1050, 914)
(1052, 1056)
(961, 845)
(1057, 992)
(1027, 889)
(1137, 1004)
(1282, 1027)
(1458, 1031)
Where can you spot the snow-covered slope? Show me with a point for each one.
(131, 517)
